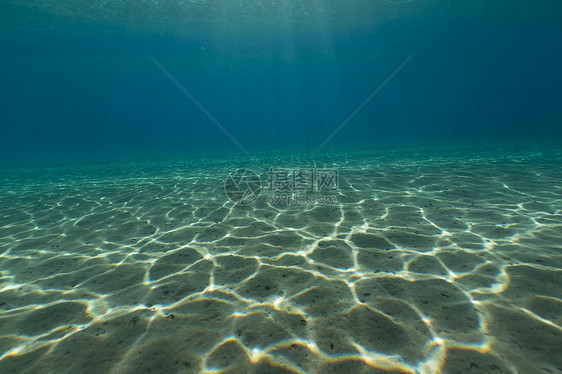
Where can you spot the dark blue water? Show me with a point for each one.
(77, 79)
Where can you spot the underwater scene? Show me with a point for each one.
(281, 186)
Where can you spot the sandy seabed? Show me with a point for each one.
(429, 262)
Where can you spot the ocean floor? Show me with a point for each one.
(420, 261)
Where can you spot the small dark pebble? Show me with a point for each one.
(293, 346)
(170, 317)
(332, 346)
(303, 322)
(473, 365)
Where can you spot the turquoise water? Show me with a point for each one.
(280, 186)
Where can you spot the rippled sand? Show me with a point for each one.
(430, 261)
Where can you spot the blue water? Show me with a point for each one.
(77, 79)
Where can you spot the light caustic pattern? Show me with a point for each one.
(443, 265)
